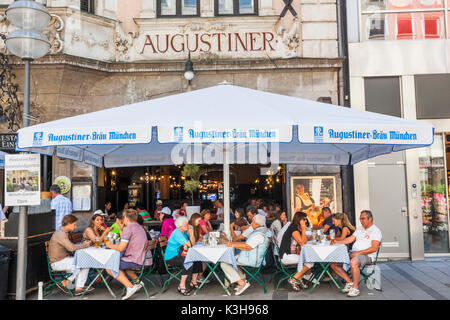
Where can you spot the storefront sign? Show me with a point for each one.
(22, 180)
(183, 134)
(247, 37)
(93, 159)
(375, 135)
(8, 141)
(85, 136)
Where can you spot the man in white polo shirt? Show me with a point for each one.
(367, 239)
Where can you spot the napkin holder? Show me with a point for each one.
(213, 238)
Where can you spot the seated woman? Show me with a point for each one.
(345, 228)
(279, 222)
(96, 229)
(205, 225)
(167, 227)
(175, 253)
(239, 213)
(295, 236)
(194, 233)
(133, 242)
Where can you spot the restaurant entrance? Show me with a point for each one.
(145, 185)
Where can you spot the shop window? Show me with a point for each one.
(178, 8)
(432, 27)
(405, 28)
(375, 28)
(382, 95)
(235, 7)
(432, 96)
(434, 197)
(87, 6)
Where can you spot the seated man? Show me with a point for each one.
(58, 253)
(143, 213)
(327, 223)
(251, 212)
(251, 253)
(243, 226)
(133, 240)
(367, 239)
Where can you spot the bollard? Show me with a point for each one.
(40, 292)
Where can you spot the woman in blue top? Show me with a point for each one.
(174, 255)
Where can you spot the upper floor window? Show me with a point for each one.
(178, 8)
(235, 7)
(404, 19)
(87, 6)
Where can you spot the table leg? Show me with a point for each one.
(320, 276)
(90, 285)
(217, 277)
(106, 284)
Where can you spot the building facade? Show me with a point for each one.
(399, 65)
(108, 53)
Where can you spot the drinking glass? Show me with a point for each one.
(332, 236)
(314, 237)
(97, 243)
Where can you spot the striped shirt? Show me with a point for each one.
(63, 207)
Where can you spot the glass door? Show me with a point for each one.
(433, 186)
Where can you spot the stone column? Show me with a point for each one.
(148, 9)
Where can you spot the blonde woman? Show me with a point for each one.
(345, 228)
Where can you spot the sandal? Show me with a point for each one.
(295, 285)
(194, 285)
(184, 291)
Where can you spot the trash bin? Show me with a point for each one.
(5, 254)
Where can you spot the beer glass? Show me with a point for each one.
(97, 243)
(332, 236)
(105, 241)
(314, 237)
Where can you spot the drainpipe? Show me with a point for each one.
(348, 199)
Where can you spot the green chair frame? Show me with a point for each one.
(173, 271)
(141, 273)
(365, 276)
(53, 274)
(151, 269)
(255, 272)
(288, 271)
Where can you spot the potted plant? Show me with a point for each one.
(191, 184)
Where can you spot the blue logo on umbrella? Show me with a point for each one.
(318, 134)
(37, 139)
(178, 134)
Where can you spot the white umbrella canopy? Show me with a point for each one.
(299, 131)
(201, 126)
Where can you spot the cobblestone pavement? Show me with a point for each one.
(403, 280)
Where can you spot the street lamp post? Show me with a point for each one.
(27, 43)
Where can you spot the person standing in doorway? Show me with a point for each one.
(61, 205)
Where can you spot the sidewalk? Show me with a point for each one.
(405, 280)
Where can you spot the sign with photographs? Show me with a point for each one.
(310, 194)
(22, 180)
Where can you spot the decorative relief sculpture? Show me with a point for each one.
(291, 38)
(123, 43)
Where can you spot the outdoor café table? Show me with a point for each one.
(324, 255)
(99, 259)
(211, 255)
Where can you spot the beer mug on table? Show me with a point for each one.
(332, 236)
(97, 243)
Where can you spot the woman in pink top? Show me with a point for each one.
(205, 225)
(168, 225)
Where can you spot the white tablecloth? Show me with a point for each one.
(324, 253)
(98, 258)
(213, 254)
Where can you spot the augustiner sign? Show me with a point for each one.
(224, 38)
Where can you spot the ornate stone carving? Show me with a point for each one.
(123, 43)
(53, 32)
(206, 26)
(90, 42)
(291, 38)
